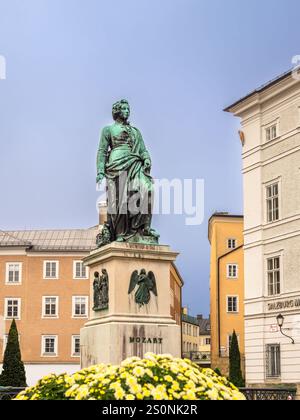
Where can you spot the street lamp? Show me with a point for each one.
(280, 322)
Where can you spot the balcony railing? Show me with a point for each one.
(201, 357)
(9, 393)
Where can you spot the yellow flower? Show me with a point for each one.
(119, 394)
(138, 371)
(161, 388)
(168, 378)
(191, 395)
(131, 380)
(146, 393)
(213, 394)
(157, 395)
(135, 389)
(82, 392)
(130, 397)
(175, 386)
(114, 385)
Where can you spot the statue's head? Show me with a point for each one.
(104, 271)
(121, 110)
(143, 271)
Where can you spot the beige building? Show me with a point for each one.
(205, 336)
(190, 334)
(270, 118)
(45, 287)
(196, 338)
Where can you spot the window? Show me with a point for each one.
(80, 306)
(13, 273)
(232, 271)
(273, 203)
(273, 361)
(232, 304)
(207, 341)
(49, 346)
(271, 132)
(274, 276)
(13, 308)
(75, 346)
(51, 269)
(80, 271)
(50, 307)
(231, 243)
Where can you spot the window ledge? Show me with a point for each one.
(49, 355)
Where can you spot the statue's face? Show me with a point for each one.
(125, 112)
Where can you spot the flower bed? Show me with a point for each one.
(157, 377)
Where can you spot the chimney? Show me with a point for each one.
(185, 311)
(102, 211)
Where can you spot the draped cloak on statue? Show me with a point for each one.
(120, 159)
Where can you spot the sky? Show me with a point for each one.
(178, 62)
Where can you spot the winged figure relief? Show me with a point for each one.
(146, 283)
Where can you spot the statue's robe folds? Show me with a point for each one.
(120, 160)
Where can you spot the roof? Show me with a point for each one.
(260, 89)
(204, 325)
(225, 214)
(189, 319)
(51, 240)
(222, 215)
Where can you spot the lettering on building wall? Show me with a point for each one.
(287, 304)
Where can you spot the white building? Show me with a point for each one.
(270, 118)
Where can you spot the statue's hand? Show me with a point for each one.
(147, 164)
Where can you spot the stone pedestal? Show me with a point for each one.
(126, 329)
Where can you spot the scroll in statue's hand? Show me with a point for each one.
(100, 178)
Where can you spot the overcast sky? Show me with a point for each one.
(178, 62)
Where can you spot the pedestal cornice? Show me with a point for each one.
(129, 251)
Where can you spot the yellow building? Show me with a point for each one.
(226, 287)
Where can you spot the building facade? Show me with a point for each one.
(270, 119)
(205, 336)
(45, 287)
(196, 338)
(226, 287)
(190, 334)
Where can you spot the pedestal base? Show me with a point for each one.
(112, 343)
(127, 328)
